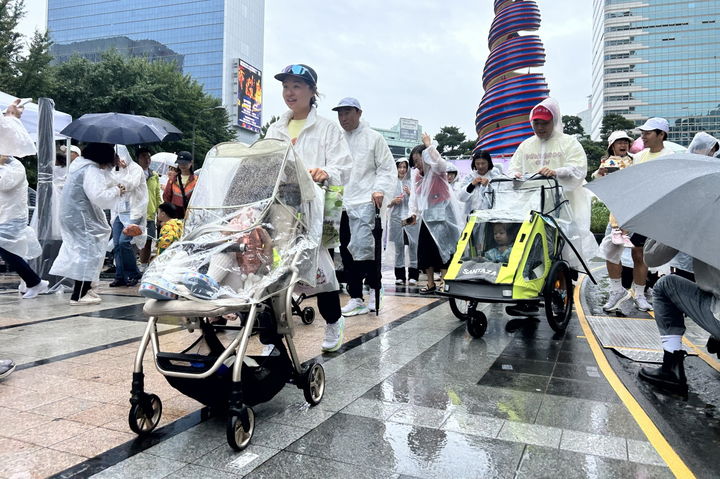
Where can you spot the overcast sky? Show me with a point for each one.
(419, 59)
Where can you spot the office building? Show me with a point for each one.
(402, 137)
(208, 39)
(657, 58)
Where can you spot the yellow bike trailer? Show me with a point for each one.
(528, 270)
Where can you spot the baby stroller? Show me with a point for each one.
(512, 253)
(252, 231)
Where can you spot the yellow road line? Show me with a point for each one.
(712, 362)
(658, 441)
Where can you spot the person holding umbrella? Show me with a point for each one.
(321, 145)
(181, 182)
(673, 202)
(85, 230)
(372, 181)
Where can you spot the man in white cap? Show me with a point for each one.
(74, 152)
(372, 181)
(654, 132)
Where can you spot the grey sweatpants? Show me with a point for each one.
(674, 296)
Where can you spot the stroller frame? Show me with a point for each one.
(146, 408)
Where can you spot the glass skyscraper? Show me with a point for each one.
(203, 37)
(658, 58)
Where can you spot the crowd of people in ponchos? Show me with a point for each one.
(422, 200)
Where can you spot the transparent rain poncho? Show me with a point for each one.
(703, 144)
(254, 218)
(434, 202)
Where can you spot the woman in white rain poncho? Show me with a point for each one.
(85, 230)
(321, 145)
(475, 185)
(550, 152)
(17, 240)
(434, 205)
(397, 233)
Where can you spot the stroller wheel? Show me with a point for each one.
(145, 415)
(558, 296)
(308, 315)
(462, 309)
(313, 382)
(240, 428)
(477, 324)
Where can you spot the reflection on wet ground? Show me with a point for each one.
(412, 396)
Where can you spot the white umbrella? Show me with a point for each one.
(673, 199)
(31, 117)
(161, 162)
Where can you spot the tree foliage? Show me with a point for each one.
(572, 125)
(138, 86)
(452, 142)
(264, 128)
(11, 11)
(595, 151)
(614, 122)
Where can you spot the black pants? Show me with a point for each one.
(355, 272)
(19, 265)
(80, 289)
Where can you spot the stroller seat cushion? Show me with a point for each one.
(187, 308)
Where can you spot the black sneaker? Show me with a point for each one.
(118, 283)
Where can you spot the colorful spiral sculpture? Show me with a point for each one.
(501, 121)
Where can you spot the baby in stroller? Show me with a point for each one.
(503, 243)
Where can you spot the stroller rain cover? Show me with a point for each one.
(254, 218)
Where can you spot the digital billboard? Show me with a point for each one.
(249, 98)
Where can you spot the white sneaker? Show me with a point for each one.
(399, 281)
(92, 293)
(40, 288)
(267, 349)
(7, 366)
(615, 300)
(642, 303)
(85, 300)
(412, 282)
(371, 303)
(334, 334)
(354, 307)
(22, 287)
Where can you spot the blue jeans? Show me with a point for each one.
(674, 296)
(125, 262)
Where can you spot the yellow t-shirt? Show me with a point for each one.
(647, 155)
(295, 127)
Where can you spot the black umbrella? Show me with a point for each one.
(377, 234)
(121, 129)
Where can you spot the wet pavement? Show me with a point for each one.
(411, 394)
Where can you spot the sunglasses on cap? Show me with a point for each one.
(300, 71)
